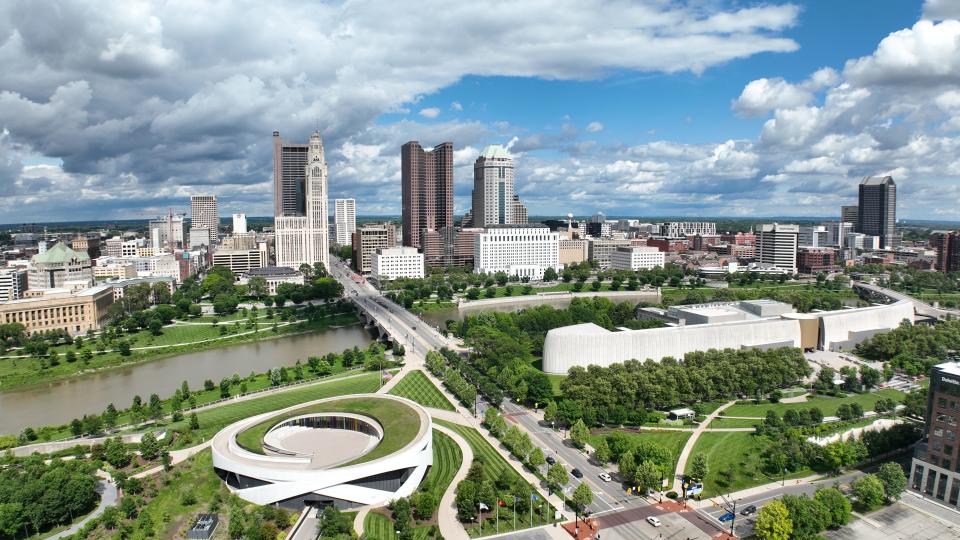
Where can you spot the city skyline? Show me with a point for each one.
(772, 118)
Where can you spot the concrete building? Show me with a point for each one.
(49, 270)
(601, 249)
(426, 189)
(837, 232)
(813, 260)
(367, 240)
(494, 199)
(812, 236)
(739, 239)
(114, 247)
(59, 309)
(397, 262)
(289, 166)
(519, 211)
(246, 241)
(90, 244)
(860, 241)
(274, 276)
(877, 211)
(13, 283)
(205, 214)
(573, 251)
(674, 229)
(636, 258)
(850, 214)
(934, 473)
(239, 224)
(305, 239)
(525, 251)
(199, 237)
(344, 220)
(118, 270)
(241, 261)
(166, 233)
(449, 246)
(777, 246)
(947, 246)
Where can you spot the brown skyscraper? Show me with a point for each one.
(289, 169)
(427, 185)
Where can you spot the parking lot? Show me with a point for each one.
(898, 522)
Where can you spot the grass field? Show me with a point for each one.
(377, 526)
(734, 462)
(494, 466)
(400, 424)
(417, 387)
(671, 440)
(213, 420)
(828, 405)
(721, 422)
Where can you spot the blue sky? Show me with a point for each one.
(713, 108)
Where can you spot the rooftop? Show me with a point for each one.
(272, 271)
(495, 151)
(60, 253)
(877, 181)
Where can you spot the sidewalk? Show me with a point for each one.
(450, 527)
(688, 448)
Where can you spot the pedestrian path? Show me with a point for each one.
(450, 527)
(688, 448)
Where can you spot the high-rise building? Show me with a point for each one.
(813, 236)
(449, 246)
(519, 211)
(777, 246)
(13, 283)
(934, 472)
(345, 220)
(837, 232)
(677, 229)
(525, 251)
(427, 189)
(305, 239)
(289, 189)
(493, 188)
(204, 214)
(947, 245)
(53, 268)
(877, 212)
(368, 239)
(239, 224)
(166, 233)
(850, 214)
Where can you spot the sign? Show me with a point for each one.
(694, 489)
(727, 517)
(951, 381)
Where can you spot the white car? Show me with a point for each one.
(653, 521)
(606, 477)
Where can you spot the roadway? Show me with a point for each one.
(921, 307)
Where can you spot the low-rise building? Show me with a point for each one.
(525, 251)
(368, 239)
(116, 270)
(120, 286)
(669, 244)
(636, 258)
(600, 250)
(397, 262)
(274, 275)
(813, 260)
(573, 251)
(240, 261)
(449, 246)
(935, 474)
(58, 309)
(13, 283)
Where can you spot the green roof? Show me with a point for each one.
(60, 253)
(495, 151)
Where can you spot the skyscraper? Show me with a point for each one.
(947, 245)
(289, 164)
(304, 239)
(345, 220)
(493, 186)
(877, 212)
(427, 189)
(204, 214)
(777, 246)
(239, 224)
(848, 214)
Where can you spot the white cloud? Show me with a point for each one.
(763, 95)
(941, 9)
(594, 127)
(430, 112)
(456, 106)
(928, 53)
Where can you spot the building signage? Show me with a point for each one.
(951, 381)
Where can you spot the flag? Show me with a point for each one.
(534, 498)
(483, 507)
(501, 503)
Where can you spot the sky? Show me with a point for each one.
(121, 110)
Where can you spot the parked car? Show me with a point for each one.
(748, 510)
(551, 460)
(653, 521)
(606, 477)
(576, 473)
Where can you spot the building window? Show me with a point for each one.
(942, 486)
(948, 449)
(931, 478)
(954, 492)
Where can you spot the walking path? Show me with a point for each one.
(177, 456)
(360, 518)
(450, 527)
(108, 497)
(687, 448)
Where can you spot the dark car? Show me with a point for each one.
(576, 473)
(550, 460)
(748, 510)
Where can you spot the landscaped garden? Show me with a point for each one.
(417, 387)
(827, 405)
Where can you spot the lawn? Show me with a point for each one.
(400, 424)
(494, 467)
(721, 422)
(377, 526)
(417, 387)
(827, 405)
(671, 440)
(734, 462)
(215, 419)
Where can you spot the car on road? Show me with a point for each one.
(653, 521)
(748, 510)
(606, 477)
(576, 473)
(551, 460)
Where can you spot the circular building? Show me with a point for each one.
(346, 451)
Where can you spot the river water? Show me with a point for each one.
(60, 402)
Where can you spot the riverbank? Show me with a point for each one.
(20, 373)
(539, 297)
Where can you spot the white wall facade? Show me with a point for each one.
(517, 250)
(637, 258)
(398, 262)
(345, 220)
(239, 224)
(493, 188)
(777, 246)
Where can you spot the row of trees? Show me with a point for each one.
(913, 348)
(36, 496)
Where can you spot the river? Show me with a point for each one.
(61, 401)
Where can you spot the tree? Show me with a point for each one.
(110, 416)
(124, 348)
(257, 287)
(550, 274)
(557, 476)
(893, 480)
(579, 433)
(627, 465)
(582, 496)
(601, 452)
(194, 421)
(808, 516)
(149, 447)
(700, 466)
(868, 490)
(837, 505)
(773, 522)
(647, 476)
(224, 388)
(550, 411)
(536, 458)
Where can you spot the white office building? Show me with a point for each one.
(813, 236)
(199, 237)
(637, 258)
(777, 246)
(241, 261)
(856, 240)
(493, 187)
(305, 239)
(13, 282)
(518, 250)
(166, 234)
(345, 220)
(397, 262)
(678, 229)
(837, 232)
(204, 214)
(239, 224)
